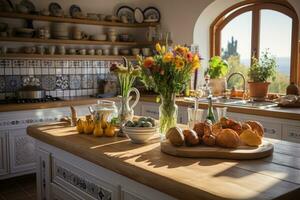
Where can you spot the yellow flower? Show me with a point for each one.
(168, 57)
(195, 62)
(179, 63)
(158, 47)
(163, 49)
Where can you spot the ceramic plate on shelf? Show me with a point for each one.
(74, 9)
(54, 7)
(126, 11)
(151, 14)
(29, 5)
(138, 15)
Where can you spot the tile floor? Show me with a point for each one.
(19, 188)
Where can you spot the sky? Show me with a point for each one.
(275, 33)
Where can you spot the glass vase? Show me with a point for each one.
(168, 112)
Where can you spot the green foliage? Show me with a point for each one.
(236, 66)
(262, 69)
(218, 67)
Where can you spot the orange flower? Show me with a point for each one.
(167, 57)
(148, 62)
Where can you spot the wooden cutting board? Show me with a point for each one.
(201, 151)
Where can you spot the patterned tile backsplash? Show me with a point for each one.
(60, 78)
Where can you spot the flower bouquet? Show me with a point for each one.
(167, 72)
(126, 74)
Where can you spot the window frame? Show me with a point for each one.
(255, 6)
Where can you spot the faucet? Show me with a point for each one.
(243, 77)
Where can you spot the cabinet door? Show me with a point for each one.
(150, 109)
(58, 193)
(22, 151)
(182, 115)
(3, 153)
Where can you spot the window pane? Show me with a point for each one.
(236, 46)
(276, 38)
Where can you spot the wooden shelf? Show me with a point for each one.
(57, 56)
(72, 20)
(78, 42)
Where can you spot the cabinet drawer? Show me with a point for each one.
(81, 183)
(272, 130)
(291, 133)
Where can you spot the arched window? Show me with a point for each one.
(252, 27)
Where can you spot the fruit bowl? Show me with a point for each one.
(140, 135)
(141, 130)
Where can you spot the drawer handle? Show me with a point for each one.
(270, 131)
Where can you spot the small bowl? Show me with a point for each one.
(135, 51)
(124, 52)
(140, 135)
(99, 37)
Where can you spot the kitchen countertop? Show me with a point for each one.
(274, 177)
(277, 112)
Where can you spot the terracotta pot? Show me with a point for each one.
(258, 90)
(218, 86)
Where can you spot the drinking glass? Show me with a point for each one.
(194, 116)
(221, 112)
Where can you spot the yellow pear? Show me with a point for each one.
(110, 131)
(80, 126)
(104, 124)
(98, 131)
(88, 126)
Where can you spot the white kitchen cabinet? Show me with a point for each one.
(59, 193)
(150, 109)
(291, 132)
(3, 153)
(182, 115)
(22, 151)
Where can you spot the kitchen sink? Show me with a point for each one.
(237, 102)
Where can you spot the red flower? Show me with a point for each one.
(148, 62)
(189, 56)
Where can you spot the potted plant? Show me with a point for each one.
(259, 73)
(217, 70)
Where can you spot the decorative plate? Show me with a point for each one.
(48, 82)
(138, 15)
(126, 11)
(74, 9)
(54, 7)
(29, 5)
(151, 14)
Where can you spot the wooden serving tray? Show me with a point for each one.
(201, 151)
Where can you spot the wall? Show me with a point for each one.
(63, 78)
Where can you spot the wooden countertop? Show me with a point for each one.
(277, 112)
(274, 177)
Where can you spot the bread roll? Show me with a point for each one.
(191, 138)
(256, 126)
(209, 140)
(175, 136)
(199, 129)
(216, 128)
(251, 138)
(228, 138)
(207, 127)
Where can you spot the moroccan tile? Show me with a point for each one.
(87, 81)
(75, 81)
(12, 83)
(48, 82)
(2, 83)
(62, 82)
